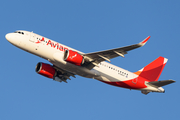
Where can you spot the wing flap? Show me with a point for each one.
(62, 75)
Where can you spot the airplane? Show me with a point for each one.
(68, 62)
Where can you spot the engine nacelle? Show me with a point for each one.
(73, 57)
(45, 70)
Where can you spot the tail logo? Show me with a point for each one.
(152, 71)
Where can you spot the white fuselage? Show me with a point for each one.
(54, 52)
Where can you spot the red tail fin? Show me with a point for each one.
(152, 71)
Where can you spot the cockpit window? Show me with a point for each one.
(19, 32)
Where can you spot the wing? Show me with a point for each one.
(62, 75)
(96, 57)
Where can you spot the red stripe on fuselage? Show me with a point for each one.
(137, 83)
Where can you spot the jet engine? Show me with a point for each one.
(73, 57)
(45, 70)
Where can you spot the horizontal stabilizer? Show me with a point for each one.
(161, 83)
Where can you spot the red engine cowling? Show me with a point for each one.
(45, 70)
(73, 57)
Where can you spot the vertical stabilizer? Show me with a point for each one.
(152, 71)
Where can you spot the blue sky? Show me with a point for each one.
(89, 26)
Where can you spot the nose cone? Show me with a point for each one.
(12, 38)
(8, 36)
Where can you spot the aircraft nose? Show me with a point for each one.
(8, 37)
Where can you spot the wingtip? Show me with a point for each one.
(172, 80)
(144, 41)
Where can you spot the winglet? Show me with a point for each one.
(144, 41)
